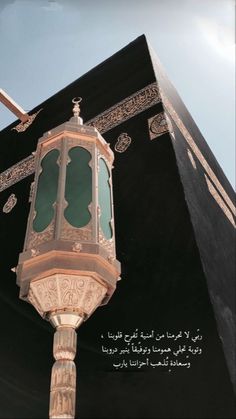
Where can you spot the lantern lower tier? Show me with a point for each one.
(67, 275)
(62, 292)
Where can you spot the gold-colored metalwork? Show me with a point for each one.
(122, 143)
(55, 292)
(22, 126)
(36, 239)
(71, 233)
(157, 125)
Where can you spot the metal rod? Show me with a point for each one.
(13, 106)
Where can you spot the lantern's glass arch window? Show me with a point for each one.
(46, 191)
(104, 199)
(78, 187)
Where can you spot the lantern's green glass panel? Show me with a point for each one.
(104, 199)
(78, 189)
(46, 191)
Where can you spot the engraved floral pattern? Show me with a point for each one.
(37, 238)
(109, 245)
(63, 291)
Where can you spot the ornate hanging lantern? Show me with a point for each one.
(68, 266)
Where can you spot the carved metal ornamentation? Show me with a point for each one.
(44, 290)
(122, 143)
(72, 142)
(65, 344)
(22, 126)
(76, 234)
(34, 252)
(157, 125)
(64, 291)
(77, 247)
(62, 402)
(11, 202)
(102, 156)
(54, 145)
(37, 238)
(107, 244)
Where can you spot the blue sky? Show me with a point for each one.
(46, 44)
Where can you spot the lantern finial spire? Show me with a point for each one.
(76, 108)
